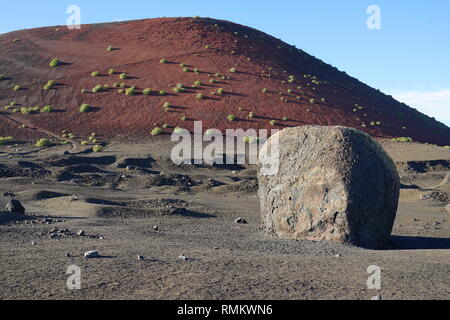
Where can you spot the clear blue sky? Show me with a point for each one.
(409, 55)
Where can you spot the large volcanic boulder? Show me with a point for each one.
(332, 183)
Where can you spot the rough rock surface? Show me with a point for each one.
(333, 183)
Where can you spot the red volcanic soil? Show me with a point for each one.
(212, 46)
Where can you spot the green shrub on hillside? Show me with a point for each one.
(54, 63)
(156, 131)
(85, 108)
(5, 140)
(130, 91)
(163, 61)
(123, 76)
(47, 109)
(42, 143)
(147, 91)
(97, 88)
(95, 74)
(231, 117)
(97, 148)
(402, 139)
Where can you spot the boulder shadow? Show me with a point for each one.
(418, 243)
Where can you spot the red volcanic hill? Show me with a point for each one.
(224, 68)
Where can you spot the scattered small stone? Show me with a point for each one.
(377, 298)
(240, 221)
(101, 238)
(80, 233)
(14, 206)
(155, 228)
(91, 254)
(182, 257)
(9, 194)
(447, 208)
(337, 255)
(68, 255)
(33, 243)
(140, 258)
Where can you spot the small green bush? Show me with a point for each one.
(85, 108)
(25, 110)
(265, 90)
(95, 74)
(130, 91)
(231, 117)
(163, 61)
(47, 109)
(123, 76)
(197, 83)
(162, 93)
(147, 91)
(156, 131)
(285, 118)
(186, 69)
(84, 91)
(17, 87)
(110, 48)
(111, 71)
(220, 91)
(5, 140)
(42, 143)
(54, 63)
(251, 114)
(167, 105)
(2, 77)
(97, 148)
(272, 122)
(199, 96)
(402, 139)
(232, 70)
(97, 88)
